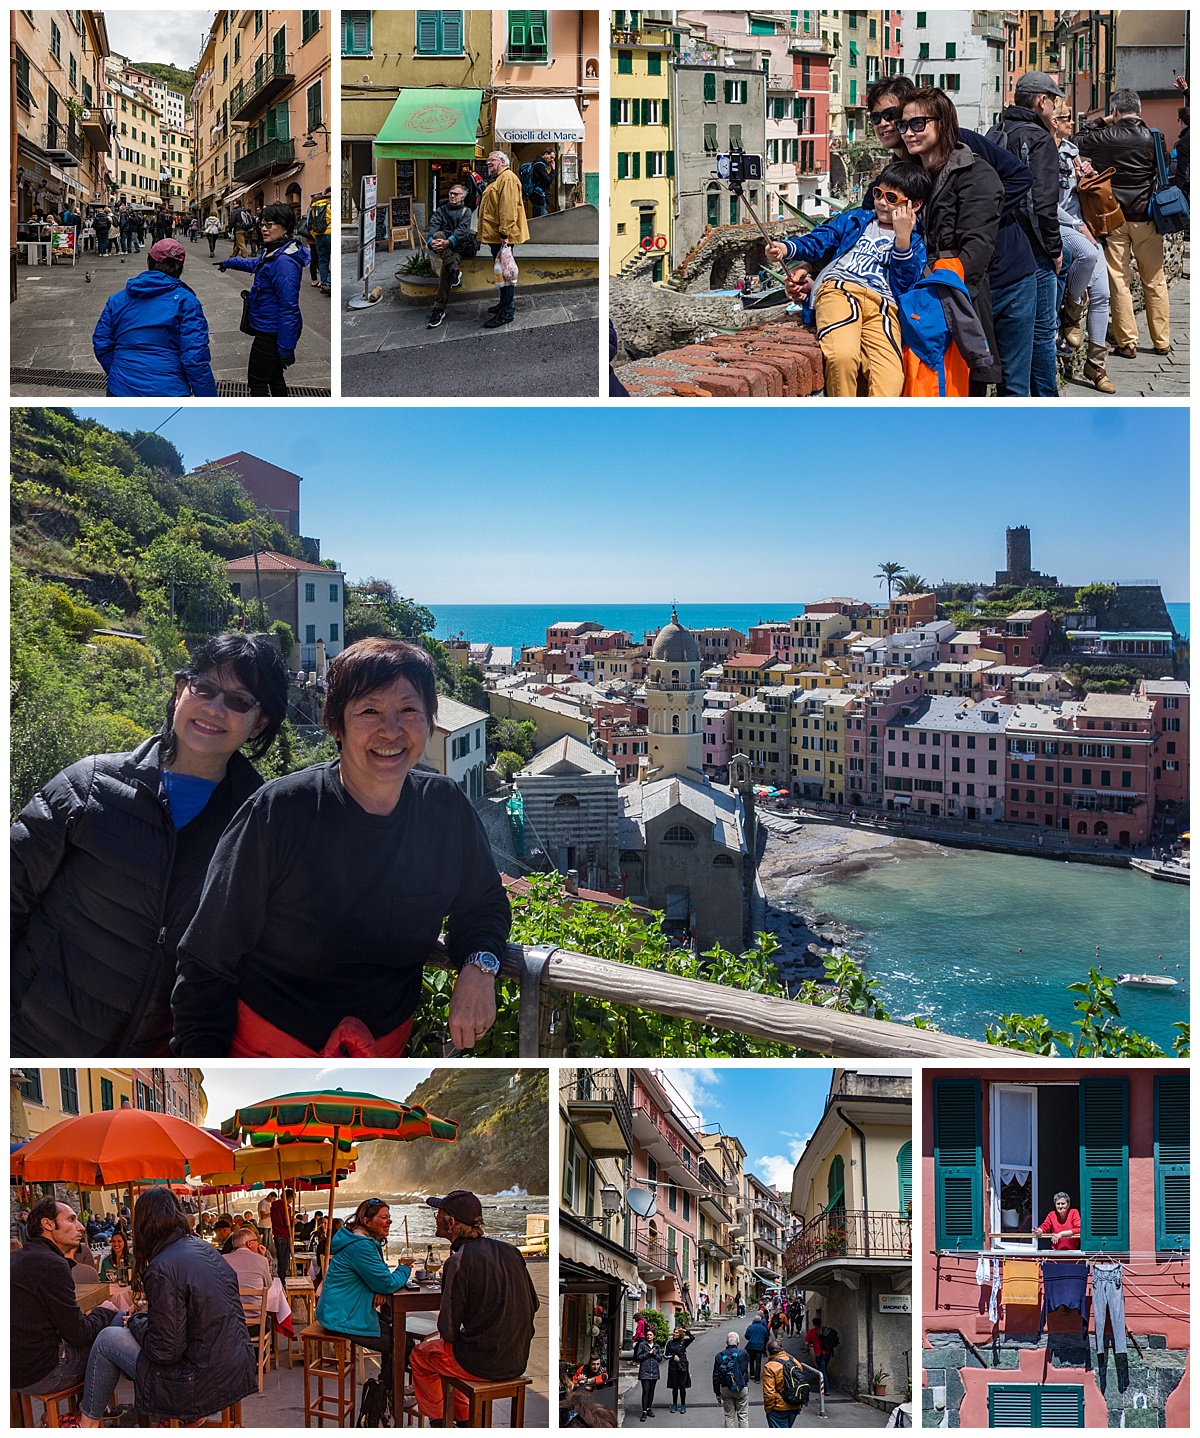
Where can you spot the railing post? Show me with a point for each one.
(530, 1012)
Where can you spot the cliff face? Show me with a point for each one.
(503, 1137)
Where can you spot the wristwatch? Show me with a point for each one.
(489, 963)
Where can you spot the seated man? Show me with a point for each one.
(866, 260)
(50, 1336)
(357, 1275)
(223, 1233)
(248, 1259)
(485, 1323)
(591, 1374)
(449, 237)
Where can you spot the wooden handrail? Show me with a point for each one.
(761, 1016)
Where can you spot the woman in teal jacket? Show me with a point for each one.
(356, 1276)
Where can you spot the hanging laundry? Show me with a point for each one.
(1108, 1297)
(1020, 1285)
(987, 1271)
(1064, 1285)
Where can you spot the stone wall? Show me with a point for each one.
(778, 359)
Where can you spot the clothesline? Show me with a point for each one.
(1068, 1255)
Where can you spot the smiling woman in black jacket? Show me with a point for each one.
(189, 1354)
(109, 858)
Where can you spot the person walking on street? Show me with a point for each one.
(502, 222)
(543, 180)
(163, 227)
(783, 1386)
(101, 223)
(647, 1354)
(818, 1350)
(318, 223)
(193, 229)
(756, 1344)
(731, 1382)
(679, 1376)
(1123, 141)
(273, 303)
(243, 223)
(125, 227)
(741, 1304)
(449, 238)
(282, 1234)
(212, 233)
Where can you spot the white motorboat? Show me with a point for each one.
(1172, 871)
(1147, 981)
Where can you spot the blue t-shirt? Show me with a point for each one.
(186, 795)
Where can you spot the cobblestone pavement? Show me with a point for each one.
(57, 307)
(1161, 376)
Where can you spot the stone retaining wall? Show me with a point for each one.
(777, 360)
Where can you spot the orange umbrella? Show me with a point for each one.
(100, 1150)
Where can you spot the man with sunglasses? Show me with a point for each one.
(485, 1323)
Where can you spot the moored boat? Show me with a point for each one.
(1172, 871)
(1147, 981)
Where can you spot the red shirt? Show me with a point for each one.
(813, 1339)
(1065, 1229)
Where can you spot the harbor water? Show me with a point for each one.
(958, 936)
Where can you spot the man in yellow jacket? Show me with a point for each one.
(780, 1413)
(502, 221)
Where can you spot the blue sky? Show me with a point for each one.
(542, 506)
(772, 1109)
(232, 1087)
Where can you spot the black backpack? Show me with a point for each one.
(829, 1339)
(730, 1371)
(375, 1410)
(793, 1388)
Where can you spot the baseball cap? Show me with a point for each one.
(460, 1204)
(167, 250)
(1037, 82)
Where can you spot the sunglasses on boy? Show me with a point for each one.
(891, 196)
(916, 124)
(886, 117)
(233, 701)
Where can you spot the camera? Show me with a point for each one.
(737, 167)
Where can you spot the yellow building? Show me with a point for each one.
(851, 1262)
(49, 1095)
(61, 124)
(553, 717)
(134, 164)
(759, 729)
(833, 718)
(642, 174)
(175, 164)
(722, 1240)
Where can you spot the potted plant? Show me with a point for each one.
(879, 1382)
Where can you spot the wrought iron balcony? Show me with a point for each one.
(272, 75)
(842, 1234)
(266, 160)
(599, 1111)
(62, 143)
(654, 1258)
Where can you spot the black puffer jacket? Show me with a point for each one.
(103, 887)
(1128, 147)
(196, 1355)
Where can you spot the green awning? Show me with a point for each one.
(433, 122)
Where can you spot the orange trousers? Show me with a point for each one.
(428, 1361)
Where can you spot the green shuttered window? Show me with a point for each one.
(904, 1178)
(710, 86)
(1172, 1162)
(1028, 1405)
(1104, 1163)
(958, 1163)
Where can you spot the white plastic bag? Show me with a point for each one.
(507, 265)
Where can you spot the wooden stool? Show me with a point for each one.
(230, 1417)
(328, 1356)
(298, 1288)
(480, 1395)
(22, 1405)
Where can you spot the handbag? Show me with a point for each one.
(1168, 203)
(1101, 212)
(246, 327)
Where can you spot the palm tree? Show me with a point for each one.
(888, 574)
(912, 584)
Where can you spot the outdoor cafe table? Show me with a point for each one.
(425, 1300)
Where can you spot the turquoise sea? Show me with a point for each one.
(959, 936)
(518, 624)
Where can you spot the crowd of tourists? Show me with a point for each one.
(1009, 249)
(152, 339)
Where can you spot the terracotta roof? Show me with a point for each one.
(268, 559)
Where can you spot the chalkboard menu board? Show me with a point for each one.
(401, 211)
(381, 225)
(406, 177)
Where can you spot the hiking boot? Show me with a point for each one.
(435, 319)
(1072, 314)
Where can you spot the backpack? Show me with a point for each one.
(1000, 135)
(375, 1410)
(793, 1388)
(526, 175)
(318, 218)
(829, 1339)
(730, 1371)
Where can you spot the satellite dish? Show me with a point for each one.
(644, 1204)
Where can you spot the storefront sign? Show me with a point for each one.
(568, 170)
(62, 242)
(366, 226)
(895, 1303)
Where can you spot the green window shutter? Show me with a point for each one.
(735, 137)
(710, 86)
(637, 164)
(835, 1185)
(614, 111)
(649, 164)
(313, 97)
(452, 32)
(1172, 1162)
(796, 108)
(729, 92)
(1060, 1405)
(1009, 1406)
(904, 1178)
(1029, 1405)
(654, 63)
(427, 31)
(957, 1163)
(666, 113)
(670, 164)
(854, 92)
(1104, 1163)
(622, 165)
(624, 62)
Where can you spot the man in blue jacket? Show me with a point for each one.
(273, 305)
(152, 338)
(757, 1334)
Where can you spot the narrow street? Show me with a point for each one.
(57, 307)
(705, 1411)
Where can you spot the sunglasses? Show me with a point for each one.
(235, 702)
(885, 117)
(373, 1205)
(916, 124)
(889, 195)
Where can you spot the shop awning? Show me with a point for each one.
(431, 123)
(555, 121)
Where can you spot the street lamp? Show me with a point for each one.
(310, 143)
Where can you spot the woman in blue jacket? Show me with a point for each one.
(152, 338)
(357, 1274)
(273, 305)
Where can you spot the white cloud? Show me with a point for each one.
(777, 1170)
(173, 37)
(696, 1086)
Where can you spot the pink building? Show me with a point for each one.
(715, 727)
(765, 638)
(1171, 702)
(666, 1160)
(810, 80)
(945, 756)
(892, 64)
(1023, 638)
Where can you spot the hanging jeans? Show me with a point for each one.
(1108, 1296)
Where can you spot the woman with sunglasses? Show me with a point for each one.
(962, 217)
(356, 1276)
(109, 859)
